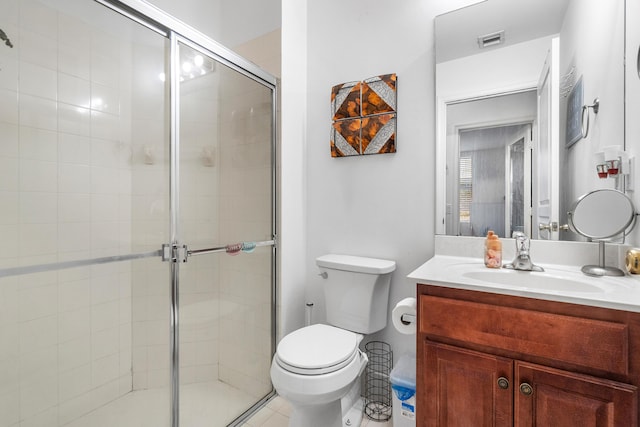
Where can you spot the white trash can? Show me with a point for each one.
(403, 389)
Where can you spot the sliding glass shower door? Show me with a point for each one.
(226, 215)
(131, 158)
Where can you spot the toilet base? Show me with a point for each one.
(353, 416)
(352, 406)
(327, 415)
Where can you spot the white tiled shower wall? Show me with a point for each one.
(150, 212)
(65, 183)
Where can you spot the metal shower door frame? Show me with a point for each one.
(176, 252)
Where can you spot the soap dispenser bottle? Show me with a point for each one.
(492, 251)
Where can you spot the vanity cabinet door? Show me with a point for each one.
(550, 397)
(462, 388)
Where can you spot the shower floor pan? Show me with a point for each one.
(211, 404)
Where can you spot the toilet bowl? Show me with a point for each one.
(317, 368)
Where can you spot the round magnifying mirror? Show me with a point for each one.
(602, 214)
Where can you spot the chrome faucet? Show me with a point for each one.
(523, 260)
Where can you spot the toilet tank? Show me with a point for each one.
(356, 291)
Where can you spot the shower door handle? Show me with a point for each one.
(174, 253)
(237, 247)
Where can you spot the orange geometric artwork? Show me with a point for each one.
(364, 117)
(345, 100)
(379, 95)
(345, 138)
(378, 134)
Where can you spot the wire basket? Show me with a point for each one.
(377, 389)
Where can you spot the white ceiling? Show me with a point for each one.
(457, 32)
(230, 22)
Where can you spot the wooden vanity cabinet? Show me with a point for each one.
(496, 360)
(458, 387)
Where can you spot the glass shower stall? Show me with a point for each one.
(137, 194)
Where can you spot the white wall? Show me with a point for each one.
(599, 60)
(378, 205)
(293, 218)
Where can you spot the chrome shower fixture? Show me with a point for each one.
(5, 39)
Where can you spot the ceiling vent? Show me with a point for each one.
(492, 39)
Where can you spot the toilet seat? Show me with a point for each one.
(317, 349)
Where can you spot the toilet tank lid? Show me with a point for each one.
(356, 264)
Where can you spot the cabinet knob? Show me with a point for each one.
(526, 389)
(503, 383)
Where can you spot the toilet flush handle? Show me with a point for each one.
(323, 274)
(308, 313)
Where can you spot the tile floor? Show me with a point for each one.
(276, 414)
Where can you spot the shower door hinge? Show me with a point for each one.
(174, 253)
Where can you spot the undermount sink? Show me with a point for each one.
(534, 280)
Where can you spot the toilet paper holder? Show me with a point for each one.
(407, 319)
(404, 316)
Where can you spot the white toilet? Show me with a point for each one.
(317, 368)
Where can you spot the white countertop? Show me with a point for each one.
(564, 283)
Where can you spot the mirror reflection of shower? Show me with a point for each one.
(5, 38)
(493, 188)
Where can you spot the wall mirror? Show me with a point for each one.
(505, 72)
